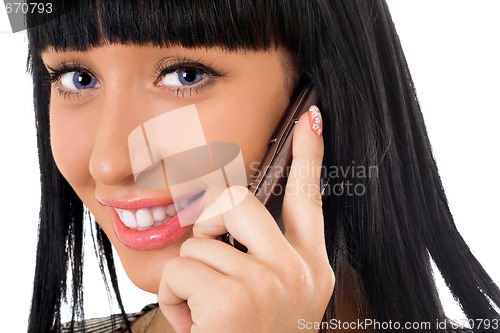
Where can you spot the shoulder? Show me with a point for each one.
(112, 324)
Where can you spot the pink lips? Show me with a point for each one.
(159, 236)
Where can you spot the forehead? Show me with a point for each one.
(151, 52)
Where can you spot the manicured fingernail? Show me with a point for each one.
(315, 120)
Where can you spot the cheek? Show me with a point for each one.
(71, 138)
(248, 118)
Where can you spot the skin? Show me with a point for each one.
(202, 283)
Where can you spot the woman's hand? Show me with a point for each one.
(213, 287)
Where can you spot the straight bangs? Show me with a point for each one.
(229, 24)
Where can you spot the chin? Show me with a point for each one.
(145, 268)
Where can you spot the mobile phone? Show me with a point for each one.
(268, 183)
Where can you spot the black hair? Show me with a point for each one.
(380, 243)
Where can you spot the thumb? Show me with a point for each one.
(302, 206)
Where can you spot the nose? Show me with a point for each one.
(109, 162)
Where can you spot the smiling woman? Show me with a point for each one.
(97, 101)
(102, 69)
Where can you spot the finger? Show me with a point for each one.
(218, 255)
(184, 277)
(249, 222)
(302, 207)
(183, 290)
(178, 316)
(210, 223)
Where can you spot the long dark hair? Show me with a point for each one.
(380, 240)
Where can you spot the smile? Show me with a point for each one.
(150, 217)
(155, 226)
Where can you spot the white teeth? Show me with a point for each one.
(144, 218)
(159, 213)
(120, 213)
(128, 218)
(171, 210)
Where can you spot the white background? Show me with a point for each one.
(452, 48)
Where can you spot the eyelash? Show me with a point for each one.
(55, 74)
(181, 91)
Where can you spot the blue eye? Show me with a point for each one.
(78, 81)
(188, 77)
(183, 77)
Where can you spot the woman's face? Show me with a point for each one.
(101, 95)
